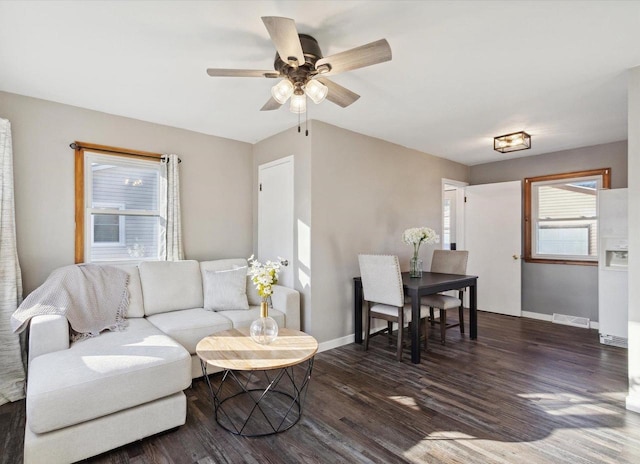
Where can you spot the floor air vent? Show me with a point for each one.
(614, 340)
(575, 321)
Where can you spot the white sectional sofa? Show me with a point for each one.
(88, 397)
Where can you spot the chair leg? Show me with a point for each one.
(461, 317)
(400, 330)
(367, 325)
(425, 329)
(443, 325)
(432, 317)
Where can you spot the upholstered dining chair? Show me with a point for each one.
(384, 294)
(447, 262)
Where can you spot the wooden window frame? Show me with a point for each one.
(528, 235)
(79, 149)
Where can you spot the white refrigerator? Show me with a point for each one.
(613, 259)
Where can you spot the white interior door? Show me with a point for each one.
(493, 236)
(275, 215)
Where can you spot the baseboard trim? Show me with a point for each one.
(336, 342)
(549, 317)
(539, 316)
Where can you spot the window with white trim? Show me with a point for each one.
(561, 216)
(122, 220)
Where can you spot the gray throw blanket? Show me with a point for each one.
(93, 298)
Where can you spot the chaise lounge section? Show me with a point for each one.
(90, 396)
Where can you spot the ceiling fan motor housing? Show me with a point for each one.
(300, 75)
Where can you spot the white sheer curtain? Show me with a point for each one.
(172, 234)
(12, 374)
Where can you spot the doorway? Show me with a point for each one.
(452, 237)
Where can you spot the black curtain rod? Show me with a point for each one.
(75, 146)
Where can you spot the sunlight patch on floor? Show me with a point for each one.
(406, 401)
(449, 435)
(568, 404)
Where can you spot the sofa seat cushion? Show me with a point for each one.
(189, 326)
(103, 375)
(244, 318)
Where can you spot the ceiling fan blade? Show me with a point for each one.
(339, 95)
(359, 57)
(271, 105)
(214, 72)
(284, 35)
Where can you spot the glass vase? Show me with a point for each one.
(415, 267)
(265, 329)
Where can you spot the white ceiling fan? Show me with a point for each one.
(303, 69)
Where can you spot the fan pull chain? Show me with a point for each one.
(298, 123)
(306, 127)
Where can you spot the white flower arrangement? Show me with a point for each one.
(264, 276)
(419, 235)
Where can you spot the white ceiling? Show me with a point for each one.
(462, 72)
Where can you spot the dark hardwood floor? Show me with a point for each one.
(526, 391)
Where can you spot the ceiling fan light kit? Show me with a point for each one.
(316, 91)
(282, 91)
(299, 62)
(512, 142)
(298, 103)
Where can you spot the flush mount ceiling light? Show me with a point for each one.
(512, 142)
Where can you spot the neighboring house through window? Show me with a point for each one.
(118, 206)
(107, 229)
(561, 217)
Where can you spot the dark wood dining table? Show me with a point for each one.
(417, 287)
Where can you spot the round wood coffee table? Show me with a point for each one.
(263, 387)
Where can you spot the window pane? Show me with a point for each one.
(446, 226)
(106, 228)
(574, 238)
(567, 200)
(132, 186)
(140, 240)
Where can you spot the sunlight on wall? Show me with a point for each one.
(304, 244)
(303, 278)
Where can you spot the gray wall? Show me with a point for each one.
(356, 194)
(215, 181)
(558, 288)
(364, 193)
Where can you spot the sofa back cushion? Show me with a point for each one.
(136, 306)
(224, 290)
(224, 265)
(170, 286)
